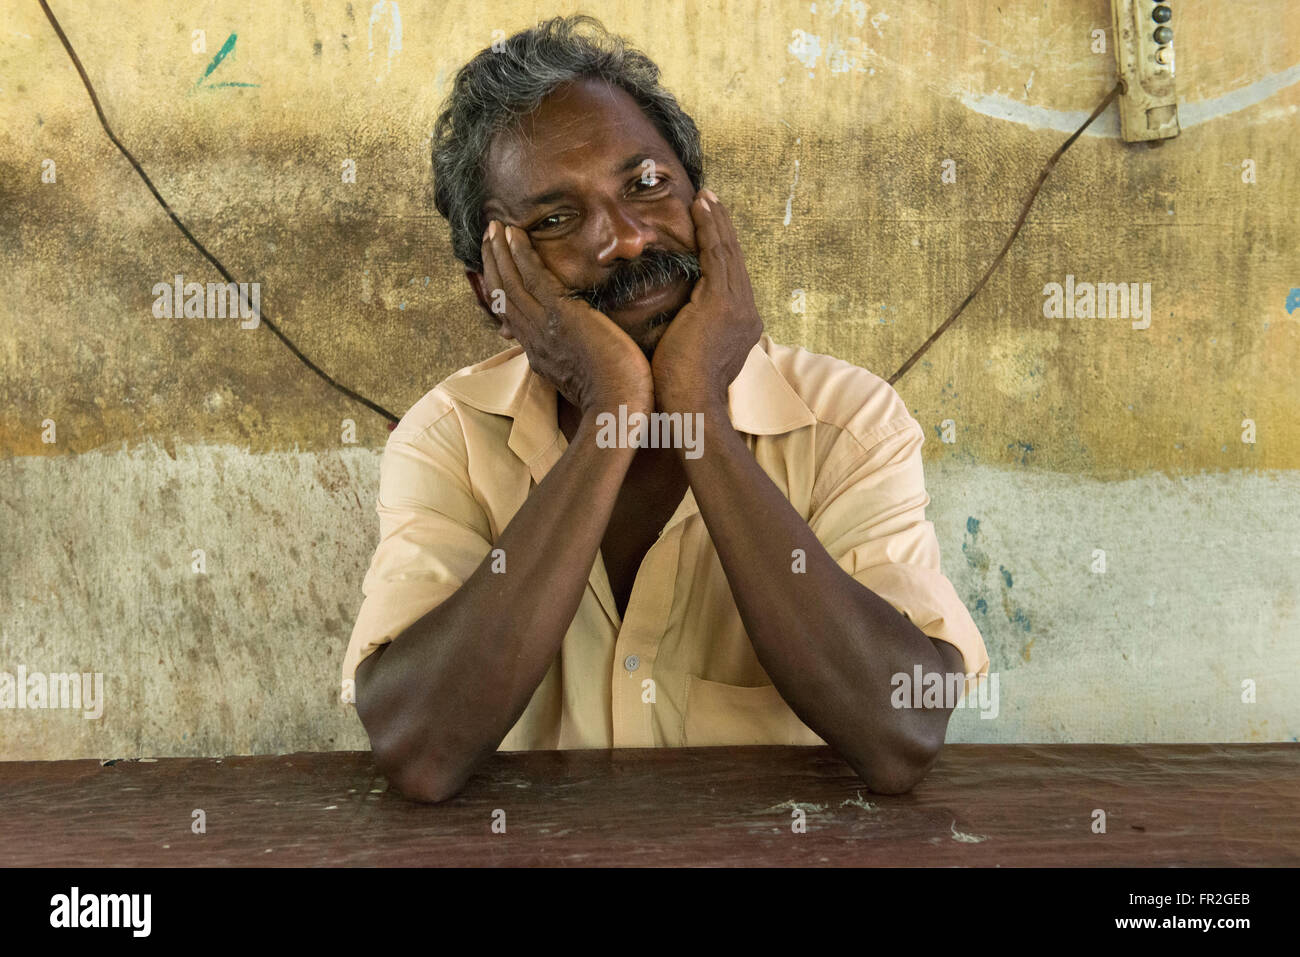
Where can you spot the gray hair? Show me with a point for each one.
(505, 82)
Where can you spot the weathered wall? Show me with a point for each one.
(1070, 434)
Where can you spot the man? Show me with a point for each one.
(540, 584)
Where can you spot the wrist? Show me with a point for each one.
(640, 401)
(692, 399)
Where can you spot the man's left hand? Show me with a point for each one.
(708, 341)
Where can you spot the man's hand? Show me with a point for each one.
(582, 352)
(707, 342)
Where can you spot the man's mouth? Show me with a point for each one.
(668, 274)
(655, 299)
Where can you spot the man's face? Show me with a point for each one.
(600, 217)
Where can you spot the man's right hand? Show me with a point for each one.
(593, 363)
(439, 702)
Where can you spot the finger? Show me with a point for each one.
(540, 282)
(734, 282)
(726, 228)
(524, 308)
(517, 291)
(737, 275)
(709, 239)
(492, 282)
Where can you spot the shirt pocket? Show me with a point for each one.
(722, 714)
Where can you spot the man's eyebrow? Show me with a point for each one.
(633, 161)
(551, 195)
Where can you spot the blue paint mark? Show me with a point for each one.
(1020, 618)
(1006, 575)
(1025, 450)
(982, 606)
(975, 556)
(226, 48)
(1292, 301)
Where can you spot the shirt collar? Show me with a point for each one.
(760, 401)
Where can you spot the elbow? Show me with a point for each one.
(421, 778)
(900, 767)
(884, 777)
(414, 763)
(426, 788)
(400, 744)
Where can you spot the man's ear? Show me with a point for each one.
(479, 285)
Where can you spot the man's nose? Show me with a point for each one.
(623, 234)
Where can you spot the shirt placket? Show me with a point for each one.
(636, 649)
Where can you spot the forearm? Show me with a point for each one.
(830, 645)
(445, 692)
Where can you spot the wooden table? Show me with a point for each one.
(983, 805)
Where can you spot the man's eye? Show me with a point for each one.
(557, 219)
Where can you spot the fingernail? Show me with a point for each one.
(711, 195)
(510, 239)
(705, 203)
(492, 229)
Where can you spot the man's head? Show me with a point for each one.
(569, 136)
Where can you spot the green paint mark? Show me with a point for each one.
(226, 48)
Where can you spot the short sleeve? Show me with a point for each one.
(870, 516)
(433, 534)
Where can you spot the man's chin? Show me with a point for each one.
(652, 331)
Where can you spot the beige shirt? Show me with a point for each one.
(679, 669)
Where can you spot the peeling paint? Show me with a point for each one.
(1190, 114)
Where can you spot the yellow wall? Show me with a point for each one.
(828, 147)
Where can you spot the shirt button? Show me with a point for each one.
(631, 662)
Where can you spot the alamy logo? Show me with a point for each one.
(35, 690)
(216, 300)
(102, 910)
(658, 430)
(1102, 300)
(933, 689)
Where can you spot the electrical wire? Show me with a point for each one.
(225, 273)
(1119, 87)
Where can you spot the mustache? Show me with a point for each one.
(633, 279)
